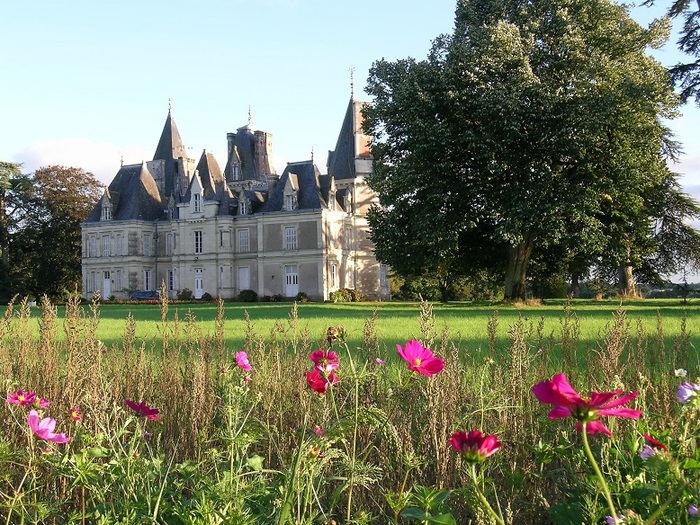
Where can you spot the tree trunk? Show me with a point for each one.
(516, 272)
(575, 286)
(627, 287)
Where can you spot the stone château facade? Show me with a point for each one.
(193, 226)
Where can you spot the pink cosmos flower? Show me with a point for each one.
(567, 402)
(75, 414)
(379, 361)
(653, 442)
(420, 359)
(318, 431)
(325, 362)
(319, 382)
(686, 391)
(41, 403)
(44, 429)
(473, 446)
(142, 409)
(21, 398)
(242, 362)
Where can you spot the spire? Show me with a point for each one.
(352, 83)
(169, 149)
(250, 117)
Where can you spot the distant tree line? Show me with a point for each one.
(40, 239)
(530, 147)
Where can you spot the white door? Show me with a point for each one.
(291, 280)
(243, 278)
(198, 283)
(106, 286)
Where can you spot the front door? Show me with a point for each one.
(243, 278)
(198, 283)
(106, 285)
(291, 280)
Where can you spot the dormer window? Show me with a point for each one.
(236, 172)
(106, 212)
(197, 202)
(290, 201)
(243, 207)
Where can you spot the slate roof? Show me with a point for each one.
(341, 160)
(134, 195)
(244, 142)
(309, 196)
(170, 147)
(211, 177)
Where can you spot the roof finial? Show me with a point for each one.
(170, 105)
(312, 154)
(352, 82)
(121, 161)
(250, 117)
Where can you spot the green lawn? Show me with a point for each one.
(397, 322)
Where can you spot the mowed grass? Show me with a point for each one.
(470, 326)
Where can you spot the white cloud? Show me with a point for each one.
(101, 159)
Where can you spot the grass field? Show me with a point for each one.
(465, 324)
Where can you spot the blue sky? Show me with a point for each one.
(86, 83)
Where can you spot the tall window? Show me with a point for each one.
(147, 245)
(147, 280)
(289, 201)
(290, 238)
(197, 202)
(92, 281)
(243, 240)
(118, 280)
(106, 213)
(118, 245)
(243, 207)
(105, 246)
(236, 172)
(168, 244)
(348, 238)
(92, 250)
(171, 280)
(197, 241)
(334, 275)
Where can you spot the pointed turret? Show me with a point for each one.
(352, 145)
(170, 148)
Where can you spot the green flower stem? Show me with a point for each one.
(482, 498)
(598, 473)
(662, 508)
(353, 452)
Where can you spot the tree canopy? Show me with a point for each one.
(40, 216)
(532, 125)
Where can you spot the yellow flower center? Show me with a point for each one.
(417, 361)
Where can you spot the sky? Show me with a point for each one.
(88, 84)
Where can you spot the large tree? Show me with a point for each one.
(521, 126)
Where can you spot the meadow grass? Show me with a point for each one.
(262, 447)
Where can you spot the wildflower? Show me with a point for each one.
(646, 452)
(319, 382)
(142, 409)
(473, 446)
(44, 429)
(686, 391)
(379, 361)
(41, 403)
(567, 402)
(325, 362)
(692, 509)
(224, 370)
(653, 442)
(21, 398)
(679, 372)
(247, 378)
(75, 414)
(242, 362)
(610, 521)
(420, 359)
(318, 431)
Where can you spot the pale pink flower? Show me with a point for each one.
(325, 362)
(44, 429)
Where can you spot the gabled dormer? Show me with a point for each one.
(107, 206)
(244, 205)
(196, 195)
(291, 193)
(332, 203)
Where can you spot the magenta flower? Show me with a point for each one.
(44, 429)
(75, 414)
(653, 442)
(142, 409)
(567, 402)
(325, 362)
(242, 362)
(420, 359)
(319, 382)
(21, 398)
(473, 446)
(41, 403)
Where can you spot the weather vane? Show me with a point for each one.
(352, 82)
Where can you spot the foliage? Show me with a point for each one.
(185, 295)
(346, 295)
(302, 297)
(247, 296)
(523, 129)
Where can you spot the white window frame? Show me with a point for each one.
(197, 202)
(289, 201)
(243, 240)
(243, 207)
(118, 280)
(198, 242)
(106, 212)
(146, 244)
(147, 278)
(171, 280)
(106, 245)
(168, 244)
(92, 246)
(334, 275)
(291, 239)
(118, 245)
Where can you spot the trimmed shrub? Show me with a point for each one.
(248, 296)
